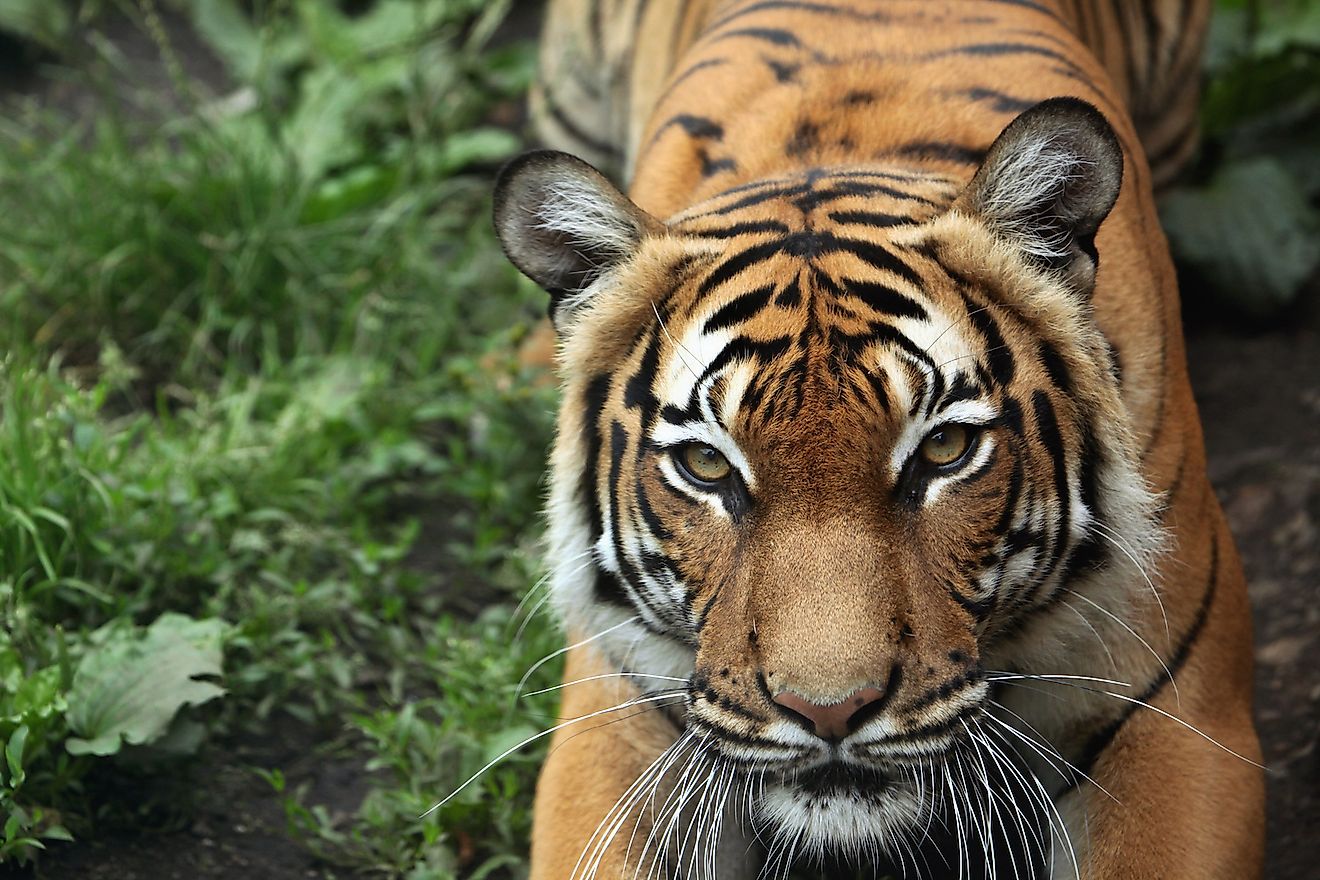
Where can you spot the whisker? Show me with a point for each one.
(531, 739)
(1105, 531)
(1193, 728)
(683, 353)
(564, 650)
(995, 675)
(1114, 617)
(604, 675)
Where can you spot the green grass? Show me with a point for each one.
(260, 374)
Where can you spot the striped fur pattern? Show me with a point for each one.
(855, 230)
(596, 89)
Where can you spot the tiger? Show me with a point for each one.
(878, 518)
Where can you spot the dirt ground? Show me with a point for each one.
(1259, 394)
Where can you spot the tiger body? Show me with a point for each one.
(838, 254)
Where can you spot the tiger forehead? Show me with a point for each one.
(875, 197)
(809, 341)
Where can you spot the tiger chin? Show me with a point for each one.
(878, 521)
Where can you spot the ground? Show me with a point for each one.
(1259, 394)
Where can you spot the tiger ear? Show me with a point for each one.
(564, 224)
(1047, 183)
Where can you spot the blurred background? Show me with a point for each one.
(270, 473)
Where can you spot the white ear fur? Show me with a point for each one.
(564, 225)
(1047, 182)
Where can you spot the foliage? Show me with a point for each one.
(260, 375)
(1250, 226)
(131, 684)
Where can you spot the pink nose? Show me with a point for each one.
(835, 721)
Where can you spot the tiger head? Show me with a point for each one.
(831, 446)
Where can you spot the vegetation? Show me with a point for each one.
(267, 452)
(1248, 222)
(258, 363)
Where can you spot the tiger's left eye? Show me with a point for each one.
(702, 463)
(945, 445)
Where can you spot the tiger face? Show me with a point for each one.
(829, 445)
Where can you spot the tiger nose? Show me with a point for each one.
(836, 720)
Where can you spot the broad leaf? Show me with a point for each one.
(1250, 232)
(129, 688)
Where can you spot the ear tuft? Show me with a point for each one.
(1047, 183)
(564, 224)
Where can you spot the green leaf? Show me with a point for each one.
(41, 21)
(320, 132)
(466, 148)
(56, 832)
(504, 740)
(1286, 24)
(230, 33)
(36, 697)
(1250, 232)
(129, 688)
(14, 756)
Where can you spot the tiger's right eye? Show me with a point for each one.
(946, 445)
(703, 464)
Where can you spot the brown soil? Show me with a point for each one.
(1260, 403)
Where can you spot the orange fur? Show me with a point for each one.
(825, 572)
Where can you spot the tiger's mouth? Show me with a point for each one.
(836, 777)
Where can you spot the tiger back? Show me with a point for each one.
(878, 476)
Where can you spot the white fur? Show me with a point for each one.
(1036, 175)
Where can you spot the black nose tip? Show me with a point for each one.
(835, 720)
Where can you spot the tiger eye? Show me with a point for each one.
(703, 463)
(945, 445)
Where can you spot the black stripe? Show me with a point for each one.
(1047, 427)
(736, 264)
(878, 257)
(1055, 367)
(999, 101)
(870, 218)
(745, 228)
(945, 690)
(739, 309)
(761, 195)
(989, 50)
(695, 126)
(942, 151)
(609, 589)
(745, 348)
(1029, 4)
(637, 393)
(653, 522)
(575, 131)
(774, 36)
(710, 167)
(683, 77)
(1102, 738)
(800, 6)
(876, 381)
(597, 393)
(998, 356)
(878, 297)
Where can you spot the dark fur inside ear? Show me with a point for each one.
(1047, 183)
(564, 224)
